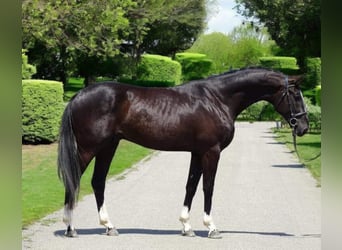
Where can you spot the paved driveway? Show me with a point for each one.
(263, 199)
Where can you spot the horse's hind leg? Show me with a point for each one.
(102, 163)
(85, 158)
(195, 173)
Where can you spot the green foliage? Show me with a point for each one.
(287, 65)
(312, 73)
(175, 27)
(314, 114)
(27, 70)
(156, 71)
(56, 33)
(83, 38)
(249, 45)
(260, 111)
(240, 48)
(318, 95)
(217, 46)
(42, 107)
(85, 26)
(294, 25)
(194, 65)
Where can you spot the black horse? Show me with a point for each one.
(197, 117)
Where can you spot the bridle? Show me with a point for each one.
(286, 94)
(294, 115)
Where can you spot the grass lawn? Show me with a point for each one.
(43, 193)
(308, 147)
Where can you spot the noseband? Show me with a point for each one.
(286, 94)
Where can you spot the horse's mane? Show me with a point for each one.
(243, 70)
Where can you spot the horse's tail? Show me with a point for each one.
(69, 162)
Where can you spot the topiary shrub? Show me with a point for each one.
(157, 71)
(287, 65)
(312, 70)
(42, 107)
(260, 111)
(314, 114)
(194, 65)
(27, 70)
(318, 95)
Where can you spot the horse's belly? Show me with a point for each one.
(160, 138)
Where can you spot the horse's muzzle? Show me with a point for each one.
(302, 131)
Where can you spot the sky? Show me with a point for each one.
(225, 18)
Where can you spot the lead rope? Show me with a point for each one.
(295, 147)
(295, 140)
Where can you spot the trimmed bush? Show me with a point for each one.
(27, 70)
(314, 114)
(312, 73)
(318, 95)
(194, 65)
(260, 111)
(42, 107)
(157, 71)
(287, 65)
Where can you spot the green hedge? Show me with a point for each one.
(287, 65)
(194, 65)
(260, 111)
(318, 95)
(312, 73)
(157, 71)
(42, 107)
(27, 70)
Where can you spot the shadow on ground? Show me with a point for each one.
(199, 233)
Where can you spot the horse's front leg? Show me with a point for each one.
(195, 173)
(209, 163)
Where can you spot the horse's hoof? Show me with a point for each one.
(112, 232)
(70, 233)
(215, 234)
(189, 233)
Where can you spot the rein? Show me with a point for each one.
(295, 147)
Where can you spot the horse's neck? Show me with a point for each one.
(240, 95)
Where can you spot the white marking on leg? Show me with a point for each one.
(68, 217)
(184, 218)
(208, 222)
(104, 218)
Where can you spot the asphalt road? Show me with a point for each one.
(263, 199)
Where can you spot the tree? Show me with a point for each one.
(27, 70)
(217, 46)
(65, 37)
(249, 45)
(181, 23)
(295, 25)
(66, 28)
(240, 48)
(163, 27)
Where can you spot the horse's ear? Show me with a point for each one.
(297, 80)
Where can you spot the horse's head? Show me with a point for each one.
(291, 105)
